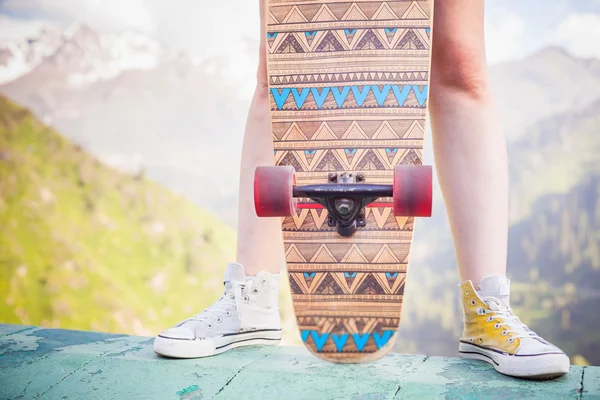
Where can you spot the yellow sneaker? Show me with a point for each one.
(492, 333)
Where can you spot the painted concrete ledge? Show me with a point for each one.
(61, 364)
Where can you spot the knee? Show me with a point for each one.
(461, 68)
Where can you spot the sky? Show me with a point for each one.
(229, 30)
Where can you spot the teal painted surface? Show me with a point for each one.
(60, 364)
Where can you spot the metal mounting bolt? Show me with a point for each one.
(332, 177)
(344, 206)
(360, 177)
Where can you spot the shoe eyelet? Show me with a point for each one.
(471, 340)
(255, 291)
(210, 326)
(467, 291)
(496, 326)
(480, 340)
(510, 340)
(246, 298)
(504, 333)
(490, 318)
(263, 281)
(219, 320)
(473, 303)
(228, 313)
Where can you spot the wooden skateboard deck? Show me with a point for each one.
(348, 85)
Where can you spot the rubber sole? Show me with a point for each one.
(537, 366)
(196, 348)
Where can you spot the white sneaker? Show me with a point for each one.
(246, 314)
(492, 333)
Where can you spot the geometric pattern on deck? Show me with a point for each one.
(348, 90)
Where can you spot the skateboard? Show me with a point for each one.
(348, 88)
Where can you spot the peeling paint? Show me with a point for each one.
(190, 393)
(53, 363)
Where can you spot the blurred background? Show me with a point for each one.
(118, 210)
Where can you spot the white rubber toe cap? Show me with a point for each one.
(178, 333)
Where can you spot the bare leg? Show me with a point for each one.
(469, 147)
(260, 242)
(470, 152)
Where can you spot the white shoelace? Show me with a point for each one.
(511, 324)
(230, 301)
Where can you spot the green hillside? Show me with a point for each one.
(83, 246)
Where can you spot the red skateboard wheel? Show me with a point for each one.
(412, 190)
(273, 191)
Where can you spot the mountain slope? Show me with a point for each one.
(70, 225)
(137, 106)
(548, 82)
(554, 156)
(78, 55)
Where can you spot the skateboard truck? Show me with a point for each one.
(345, 196)
(345, 199)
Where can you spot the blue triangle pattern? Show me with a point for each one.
(310, 34)
(360, 340)
(304, 335)
(401, 95)
(349, 274)
(391, 30)
(340, 94)
(360, 96)
(340, 97)
(421, 94)
(319, 340)
(340, 340)
(320, 97)
(381, 95)
(350, 151)
(350, 31)
(310, 151)
(310, 274)
(300, 98)
(280, 97)
(391, 275)
(271, 35)
(381, 340)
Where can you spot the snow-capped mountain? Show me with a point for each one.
(137, 105)
(79, 55)
(18, 58)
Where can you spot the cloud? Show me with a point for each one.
(17, 29)
(225, 31)
(99, 14)
(580, 34)
(504, 32)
